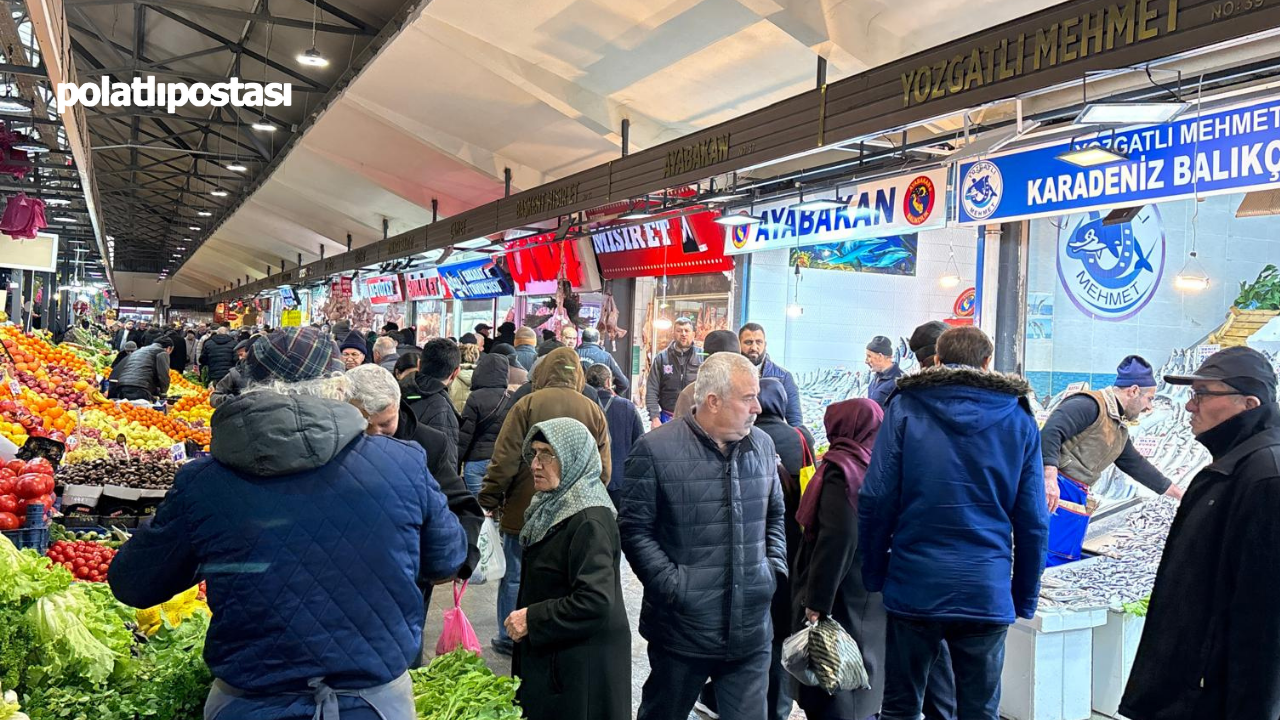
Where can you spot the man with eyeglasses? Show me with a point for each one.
(1211, 646)
(1085, 435)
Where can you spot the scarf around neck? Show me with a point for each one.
(852, 426)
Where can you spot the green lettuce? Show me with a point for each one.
(459, 686)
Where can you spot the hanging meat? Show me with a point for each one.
(609, 318)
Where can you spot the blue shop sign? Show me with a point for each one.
(476, 279)
(1228, 151)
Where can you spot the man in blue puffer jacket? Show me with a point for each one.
(312, 537)
(953, 524)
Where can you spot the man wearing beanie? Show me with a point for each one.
(354, 349)
(887, 372)
(1081, 439)
(313, 537)
(1211, 647)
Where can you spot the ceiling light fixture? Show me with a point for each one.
(638, 211)
(738, 219)
(1193, 277)
(312, 57)
(195, 228)
(57, 201)
(218, 192)
(236, 167)
(1088, 157)
(64, 218)
(205, 213)
(10, 103)
(1130, 113)
(795, 309)
(33, 147)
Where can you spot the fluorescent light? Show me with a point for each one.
(218, 192)
(738, 219)
(193, 227)
(1092, 156)
(63, 218)
(819, 204)
(236, 167)
(1191, 282)
(1130, 113)
(205, 213)
(264, 125)
(56, 201)
(311, 57)
(723, 197)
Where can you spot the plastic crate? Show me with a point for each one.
(80, 522)
(35, 535)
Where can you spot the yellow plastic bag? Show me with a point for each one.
(809, 468)
(175, 610)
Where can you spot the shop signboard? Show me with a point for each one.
(383, 289)
(425, 285)
(903, 204)
(291, 318)
(1227, 151)
(480, 279)
(341, 287)
(538, 261)
(688, 245)
(287, 298)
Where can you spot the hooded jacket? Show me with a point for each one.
(429, 399)
(304, 529)
(219, 355)
(1209, 649)
(786, 438)
(625, 428)
(486, 408)
(460, 388)
(954, 499)
(704, 533)
(557, 392)
(147, 367)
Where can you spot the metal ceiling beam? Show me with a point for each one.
(259, 17)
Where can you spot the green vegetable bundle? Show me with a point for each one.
(459, 686)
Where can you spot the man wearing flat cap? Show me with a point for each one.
(880, 360)
(1085, 435)
(1211, 646)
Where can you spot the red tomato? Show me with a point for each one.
(22, 508)
(103, 567)
(38, 465)
(17, 466)
(6, 485)
(48, 485)
(9, 503)
(29, 486)
(47, 500)
(82, 572)
(9, 521)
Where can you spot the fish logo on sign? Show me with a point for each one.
(1111, 272)
(981, 190)
(917, 206)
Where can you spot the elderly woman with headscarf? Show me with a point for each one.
(827, 578)
(573, 643)
(313, 538)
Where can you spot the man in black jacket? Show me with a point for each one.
(702, 526)
(144, 374)
(671, 371)
(219, 355)
(1211, 646)
(427, 391)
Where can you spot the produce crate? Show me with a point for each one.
(35, 535)
(81, 522)
(127, 522)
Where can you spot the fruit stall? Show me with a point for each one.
(78, 473)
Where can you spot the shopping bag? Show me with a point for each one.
(493, 563)
(824, 655)
(457, 632)
(809, 467)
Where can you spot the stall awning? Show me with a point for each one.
(688, 245)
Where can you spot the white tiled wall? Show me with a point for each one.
(843, 310)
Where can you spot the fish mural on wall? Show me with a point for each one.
(889, 255)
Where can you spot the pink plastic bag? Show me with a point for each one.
(457, 632)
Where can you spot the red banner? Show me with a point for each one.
(425, 285)
(383, 289)
(538, 258)
(690, 245)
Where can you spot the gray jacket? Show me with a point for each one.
(147, 368)
(231, 385)
(705, 534)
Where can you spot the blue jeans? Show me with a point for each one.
(473, 474)
(509, 588)
(977, 653)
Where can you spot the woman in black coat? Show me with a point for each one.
(827, 576)
(573, 643)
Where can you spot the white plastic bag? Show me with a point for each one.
(493, 563)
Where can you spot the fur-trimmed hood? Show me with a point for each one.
(965, 398)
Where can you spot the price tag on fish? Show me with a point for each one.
(1204, 351)
(178, 452)
(1146, 444)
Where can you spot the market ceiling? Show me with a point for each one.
(457, 95)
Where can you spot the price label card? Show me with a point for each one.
(1146, 444)
(1204, 351)
(73, 442)
(178, 452)
(15, 387)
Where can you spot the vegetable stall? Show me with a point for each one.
(85, 471)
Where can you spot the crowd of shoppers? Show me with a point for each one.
(922, 530)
